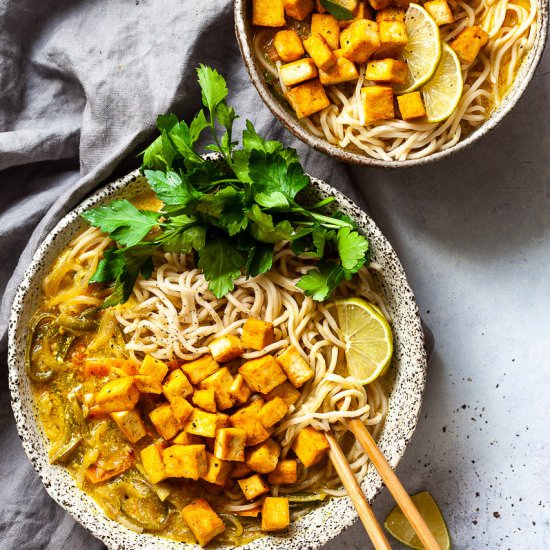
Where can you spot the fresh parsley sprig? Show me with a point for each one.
(229, 211)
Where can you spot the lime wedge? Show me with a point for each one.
(368, 338)
(444, 90)
(423, 49)
(398, 525)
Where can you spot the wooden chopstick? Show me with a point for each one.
(356, 495)
(392, 482)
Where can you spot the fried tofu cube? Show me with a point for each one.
(220, 382)
(363, 11)
(390, 14)
(298, 9)
(387, 70)
(151, 458)
(285, 473)
(298, 71)
(380, 4)
(155, 368)
(165, 422)
(117, 395)
(148, 384)
(257, 334)
(393, 38)
(268, 13)
(327, 26)
(203, 521)
(310, 446)
(411, 106)
(239, 390)
(247, 419)
(222, 421)
(360, 40)
(307, 99)
(181, 408)
(229, 444)
(402, 3)
(263, 458)
(200, 369)
(275, 514)
(289, 47)
(468, 43)
(185, 461)
(240, 470)
(377, 103)
(262, 374)
(176, 383)
(201, 423)
(205, 399)
(272, 412)
(130, 424)
(440, 12)
(320, 52)
(226, 348)
(217, 471)
(185, 438)
(350, 5)
(295, 366)
(286, 391)
(253, 487)
(344, 71)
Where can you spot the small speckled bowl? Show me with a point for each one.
(243, 30)
(317, 527)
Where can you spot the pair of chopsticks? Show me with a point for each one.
(366, 515)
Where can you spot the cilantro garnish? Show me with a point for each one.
(229, 213)
(339, 12)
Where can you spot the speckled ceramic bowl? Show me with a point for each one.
(317, 527)
(242, 11)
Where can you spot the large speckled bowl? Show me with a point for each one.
(242, 13)
(317, 527)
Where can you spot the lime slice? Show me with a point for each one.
(398, 525)
(423, 49)
(368, 338)
(443, 92)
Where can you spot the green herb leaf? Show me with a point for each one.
(253, 142)
(263, 229)
(341, 13)
(221, 263)
(171, 188)
(260, 259)
(198, 124)
(213, 87)
(352, 248)
(320, 283)
(183, 235)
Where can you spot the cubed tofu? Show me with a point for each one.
(363, 11)
(253, 487)
(377, 103)
(295, 367)
(387, 70)
(257, 334)
(268, 13)
(275, 514)
(220, 382)
(350, 5)
(151, 458)
(391, 14)
(298, 9)
(201, 423)
(320, 52)
(185, 438)
(226, 348)
(307, 99)
(230, 444)
(360, 40)
(298, 71)
(200, 369)
(285, 473)
(239, 390)
(130, 424)
(240, 470)
(155, 368)
(380, 4)
(247, 418)
(310, 446)
(176, 383)
(327, 26)
(119, 394)
(411, 106)
(217, 471)
(272, 412)
(344, 71)
(203, 521)
(205, 399)
(148, 384)
(404, 4)
(181, 408)
(468, 43)
(263, 458)
(319, 7)
(165, 422)
(222, 421)
(262, 374)
(286, 391)
(187, 461)
(393, 39)
(289, 47)
(440, 12)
